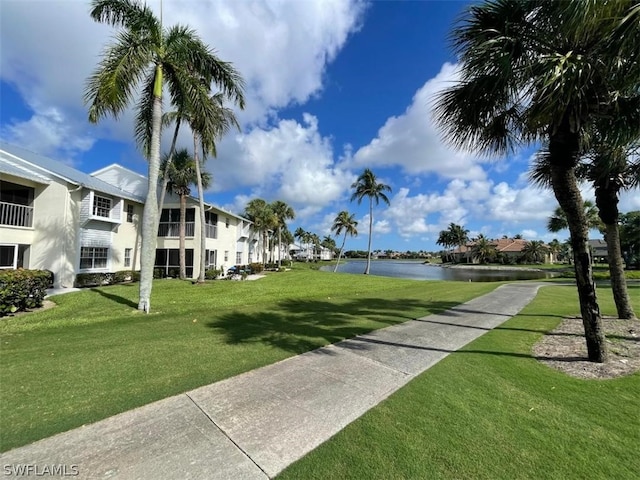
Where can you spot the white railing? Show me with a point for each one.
(16, 215)
(172, 229)
(211, 230)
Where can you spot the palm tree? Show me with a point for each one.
(534, 251)
(558, 220)
(367, 185)
(181, 174)
(346, 222)
(264, 219)
(283, 213)
(483, 250)
(459, 236)
(446, 241)
(545, 71)
(555, 248)
(144, 57)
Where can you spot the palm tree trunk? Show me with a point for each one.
(340, 254)
(165, 179)
(203, 230)
(607, 203)
(150, 213)
(366, 271)
(563, 147)
(182, 234)
(279, 248)
(616, 270)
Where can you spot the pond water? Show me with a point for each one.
(420, 271)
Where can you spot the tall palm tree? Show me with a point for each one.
(346, 222)
(445, 239)
(538, 70)
(555, 248)
(264, 219)
(144, 57)
(283, 213)
(459, 236)
(367, 185)
(181, 174)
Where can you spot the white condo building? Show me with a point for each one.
(57, 218)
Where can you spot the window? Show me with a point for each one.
(226, 255)
(101, 206)
(211, 258)
(238, 258)
(127, 257)
(7, 256)
(226, 222)
(168, 261)
(129, 213)
(93, 257)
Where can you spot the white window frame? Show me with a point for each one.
(93, 257)
(15, 256)
(238, 258)
(127, 257)
(129, 215)
(226, 256)
(96, 208)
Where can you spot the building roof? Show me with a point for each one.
(16, 159)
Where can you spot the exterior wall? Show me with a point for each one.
(53, 238)
(127, 235)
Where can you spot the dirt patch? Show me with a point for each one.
(564, 349)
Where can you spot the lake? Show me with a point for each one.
(420, 271)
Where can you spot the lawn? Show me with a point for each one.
(94, 355)
(491, 411)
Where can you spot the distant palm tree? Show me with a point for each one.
(483, 250)
(283, 213)
(558, 220)
(181, 174)
(143, 58)
(554, 248)
(446, 240)
(346, 222)
(367, 185)
(264, 219)
(534, 251)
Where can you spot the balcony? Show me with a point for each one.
(172, 229)
(16, 215)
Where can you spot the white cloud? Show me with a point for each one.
(413, 142)
(281, 48)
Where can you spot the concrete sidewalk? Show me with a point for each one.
(254, 425)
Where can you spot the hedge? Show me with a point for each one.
(100, 279)
(22, 289)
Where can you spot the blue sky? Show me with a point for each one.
(333, 87)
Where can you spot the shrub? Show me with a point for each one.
(22, 289)
(105, 278)
(256, 267)
(212, 273)
(158, 273)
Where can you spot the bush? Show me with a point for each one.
(158, 273)
(22, 289)
(256, 267)
(105, 278)
(212, 273)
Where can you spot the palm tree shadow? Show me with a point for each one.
(301, 325)
(115, 298)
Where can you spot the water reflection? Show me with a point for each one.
(420, 271)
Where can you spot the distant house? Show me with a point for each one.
(510, 248)
(57, 218)
(599, 251)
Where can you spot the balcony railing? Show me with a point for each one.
(172, 229)
(16, 215)
(211, 231)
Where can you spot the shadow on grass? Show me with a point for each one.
(115, 298)
(365, 344)
(303, 325)
(486, 329)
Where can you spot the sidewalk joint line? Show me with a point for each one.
(246, 454)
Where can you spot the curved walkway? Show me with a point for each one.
(254, 425)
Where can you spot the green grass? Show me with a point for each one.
(491, 411)
(95, 355)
